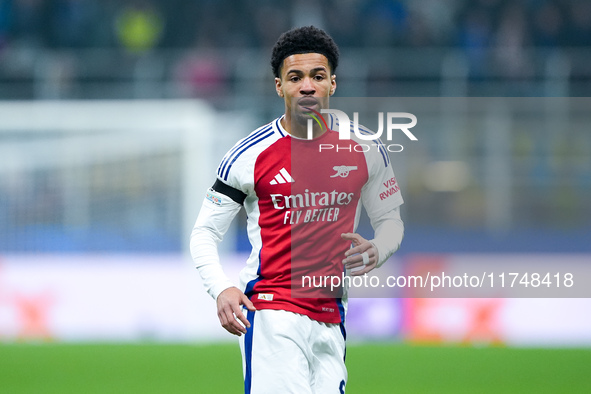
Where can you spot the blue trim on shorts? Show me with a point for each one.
(341, 309)
(344, 332)
(248, 352)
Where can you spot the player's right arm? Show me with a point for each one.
(221, 204)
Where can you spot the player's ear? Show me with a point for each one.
(278, 87)
(333, 84)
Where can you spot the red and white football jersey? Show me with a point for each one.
(300, 195)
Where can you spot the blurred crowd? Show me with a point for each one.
(143, 24)
(216, 49)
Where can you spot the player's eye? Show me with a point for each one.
(319, 77)
(294, 78)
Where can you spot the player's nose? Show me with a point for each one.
(307, 87)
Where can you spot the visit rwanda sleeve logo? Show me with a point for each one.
(391, 188)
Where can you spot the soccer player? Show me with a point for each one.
(303, 205)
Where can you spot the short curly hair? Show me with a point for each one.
(308, 39)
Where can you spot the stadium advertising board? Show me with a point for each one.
(139, 298)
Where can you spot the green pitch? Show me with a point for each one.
(373, 368)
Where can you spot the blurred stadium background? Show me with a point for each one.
(114, 115)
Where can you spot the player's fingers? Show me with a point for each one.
(354, 265)
(227, 312)
(355, 238)
(248, 303)
(364, 247)
(356, 254)
(350, 266)
(231, 325)
(240, 317)
(236, 324)
(366, 261)
(226, 322)
(364, 270)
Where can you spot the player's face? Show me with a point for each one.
(305, 83)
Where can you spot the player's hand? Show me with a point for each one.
(230, 312)
(354, 256)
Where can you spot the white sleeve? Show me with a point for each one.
(389, 231)
(382, 198)
(215, 217)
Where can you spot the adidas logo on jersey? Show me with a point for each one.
(282, 177)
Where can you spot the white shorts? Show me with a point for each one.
(285, 352)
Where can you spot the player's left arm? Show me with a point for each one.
(381, 199)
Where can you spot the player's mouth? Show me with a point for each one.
(307, 104)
